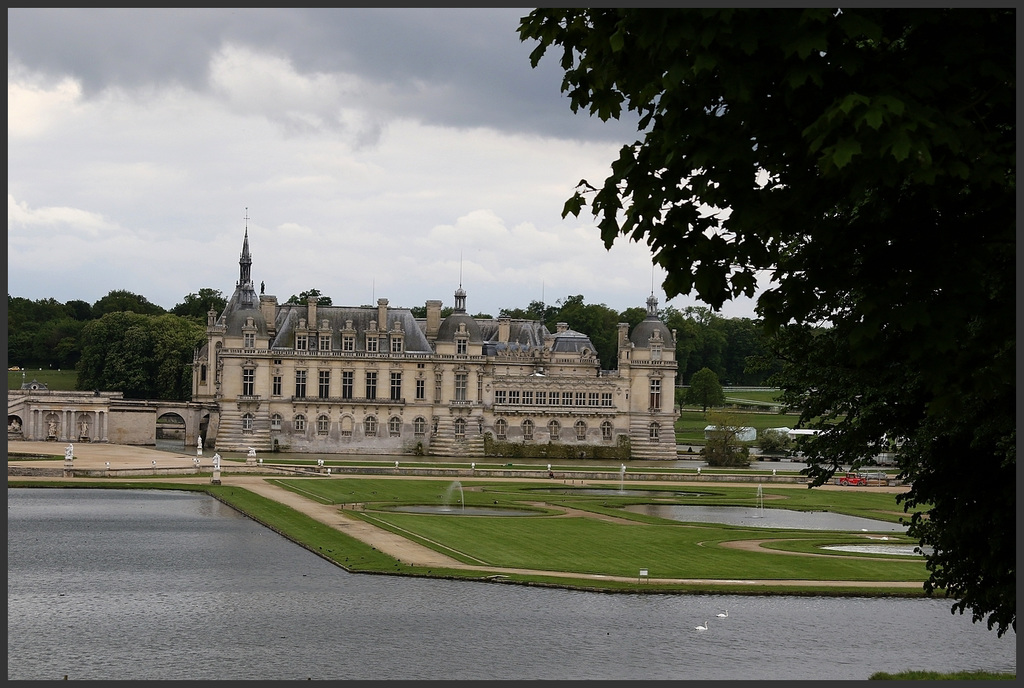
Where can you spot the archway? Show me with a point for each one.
(170, 430)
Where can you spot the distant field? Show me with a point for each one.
(691, 423)
(60, 380)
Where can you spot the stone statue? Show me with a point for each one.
(216, 461)
(262, 286)
(252, 452)
(85, 428)
(15, 426)
(52, 428)
(69, 452)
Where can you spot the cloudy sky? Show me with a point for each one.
(370, 153)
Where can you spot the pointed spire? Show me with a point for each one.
(245, 261)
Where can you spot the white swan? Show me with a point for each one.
(701, 628)
(725, 615)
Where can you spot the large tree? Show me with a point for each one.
(863, 159)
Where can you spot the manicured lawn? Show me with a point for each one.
(577, 544)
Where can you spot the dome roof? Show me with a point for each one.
(572, 342)
(651, 327)
(451, 325)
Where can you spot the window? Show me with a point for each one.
(553, 429)
(247, 423)
(606, 430)
(249, 340)
(566, 398)
(275, 421)
(527, 429)
(300, 423)
(593, 398)
(370, 426)
(248, 382)
(513, 396)
(277, 385)
(325, 384)
(501, 428)
(542, 398)
(202, 373)
(371, 384)
(419, 426)
(653, 431)
(461, 346)
(655, 393)
(437, 388)
(396, 386)
(348, 343)
(460, 428)
(581, 430)
(371, 345)
(323, 424)
(421, 389)
(460, 386)
(606, 398)
(655, 352)
(395, 426)
(581, 398)
(325, 342)
(300, 383)
(528, 397)
(346, 384)
(500, 396)
(301, 342)
(396, 345)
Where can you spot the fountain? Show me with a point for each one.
(622, 478)
(760, 503)
(449, 495)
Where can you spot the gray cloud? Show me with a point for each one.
(448, 67)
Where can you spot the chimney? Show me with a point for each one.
(433, 318)
(382, 314)
(311, 310)
(561, 327)
(504, 325)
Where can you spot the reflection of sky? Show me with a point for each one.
(765, 518)
(906, 550)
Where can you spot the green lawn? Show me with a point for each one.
(60, 380)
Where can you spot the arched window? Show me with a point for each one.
(460, 428)
(553, 429)
(395, 426)
(527, 429)
(247, 423)
(419, 426)
(370, 426)
(581, 430)
(300, 422)
(346, 426)
(606, 430)
(501, 428)
(323, 424)
(654, 431)
(275, 421)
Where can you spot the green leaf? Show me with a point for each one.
(844, 151)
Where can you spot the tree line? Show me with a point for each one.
(123, 342)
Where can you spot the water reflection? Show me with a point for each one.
(755, 517)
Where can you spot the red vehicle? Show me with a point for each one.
(851, 479)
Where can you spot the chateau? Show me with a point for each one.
(378, 380)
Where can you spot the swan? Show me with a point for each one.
(725, 615)
(701, 628)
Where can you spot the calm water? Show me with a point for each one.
(111, 584)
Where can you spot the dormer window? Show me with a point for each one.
(396, 343)
(325, 342)
(301, 342)
(371, 344)
(249, 340)
(461, 346)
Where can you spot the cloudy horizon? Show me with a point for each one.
(369, 153)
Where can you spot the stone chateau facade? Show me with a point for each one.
(377, 380)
